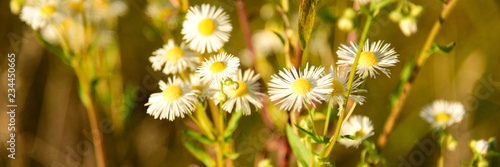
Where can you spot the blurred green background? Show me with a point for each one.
(52, 125)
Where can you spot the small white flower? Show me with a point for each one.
(101, 10)
(376, 56)
(218, 68)
(339, 85)
(39, 14)
(357, 126)
(206, 28)
(480, 146)
(442, 114)
(244, 92)
(408, 25)
(294, 88)
(176, 100)
(175, 58)
(205, 91)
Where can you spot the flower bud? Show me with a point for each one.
(396, 16)
(349, 13)
(220, 97)
(346, 24)
(408, 26)
(15, 6)
(482, 146)
(416, 10)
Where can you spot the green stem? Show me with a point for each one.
(327, 123)
(220, 145)
(312, 119)
(333, 140)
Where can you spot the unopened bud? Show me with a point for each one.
(346, 24)
(15, 6)
(349, 13)
(395, 16)
(221, 97)
(408, 26)
(416, 10)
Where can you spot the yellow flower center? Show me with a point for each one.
(442, 117)
(206, 27)
(47, 10)
(76, 6)
(217, 67)
(338, 88)
(301, 86)
(174, 54)
(368, 59)
(242, 89)
(172, 92)
(199, 88)
(359, 133)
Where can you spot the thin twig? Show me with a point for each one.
(245, 27)
(421, 59)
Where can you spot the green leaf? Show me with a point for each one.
(233, 123)
(233, 156)
(325, 162)
(493, 154)
(298, 148)
(205, 123)
(307, 12)
(199, 153)
(200, 137)
(310, 134)
(443, 49)
(56, 50)
(405, 76)
(281, 37)
(350, 137)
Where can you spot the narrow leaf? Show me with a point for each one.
(233, 123)
(200, 137)
(233, 156)
(199, 153)
(280, 36)
(443, 49)
(314, 137)
(350, 137)
(205, 123)
(307, 12)
(56, 50)
(405, 75)
(298, 148)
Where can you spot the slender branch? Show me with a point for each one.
(333, 140)
(298, 55)
(245, 27)
(93, 119)
(421, 59)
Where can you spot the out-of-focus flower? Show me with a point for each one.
(206, 28)
(375, 57)
(245, 92)
(176, 100)
(359, 127)
(15, 6)
(442, 114)
(294, 88)
(408, 25)
(162, 11)
(218, 68)
(480, 146)
(348, 20)
(339, 85)
(266, 43)
(175, 58)
(39, 14)
(101, 10)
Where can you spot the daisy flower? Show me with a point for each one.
(357, 126)
(243, 93)
(175, 58)
(218, 68)
(339, 85)
(442, 114)
(175, 100)
(294, 88)
(375, 57)
(206, 28)
(204, 90)
(38, 14)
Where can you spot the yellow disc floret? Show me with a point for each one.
(368, 59)
(217, 67)
(174, 54)
(338, 88)
(47, 10)
(172, 92)
(301, 86)
(241, 90)
(442, 117)
(206, 27)
(359, 133)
